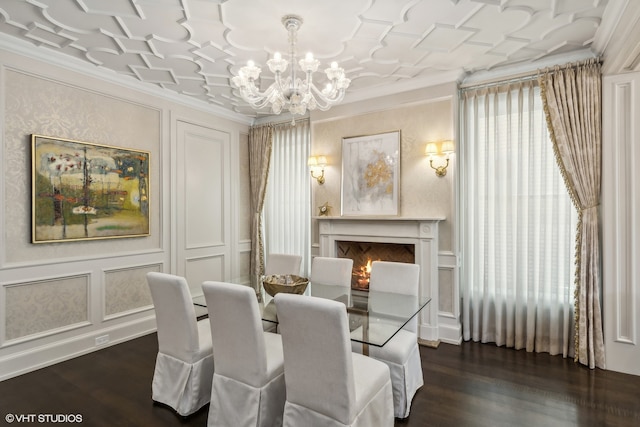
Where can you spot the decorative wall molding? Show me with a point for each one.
(39, 308)
(125, 290)
(621, 221)
(449, 325)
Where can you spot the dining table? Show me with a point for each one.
(375, 317)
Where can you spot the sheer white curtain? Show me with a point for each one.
(518, 223)
(287, 207)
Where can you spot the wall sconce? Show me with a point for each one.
(446, 148)
(315, 163)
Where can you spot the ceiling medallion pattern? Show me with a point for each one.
(194, 47)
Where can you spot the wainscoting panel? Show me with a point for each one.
(35, 309)
(447, 291)
(126, 290)
(202, 269)
(450, 328)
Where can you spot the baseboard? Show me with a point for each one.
(22, 362)
(449, 330)
(448, 333)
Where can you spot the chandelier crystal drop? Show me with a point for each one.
(292, 93)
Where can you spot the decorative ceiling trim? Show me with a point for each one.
(16, 46)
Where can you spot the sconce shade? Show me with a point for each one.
(431, 149)
(312, 161)
(322, 161)
(448, 147)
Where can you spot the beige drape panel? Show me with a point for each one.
(572, 101)
(260, 143)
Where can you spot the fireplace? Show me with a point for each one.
(401, 236)
(364, 253)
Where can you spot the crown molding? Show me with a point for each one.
(19, 47)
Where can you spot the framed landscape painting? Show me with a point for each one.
(371, 174)
(82, 191)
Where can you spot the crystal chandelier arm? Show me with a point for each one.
(257, 99)
(325, 101)
(335, 90)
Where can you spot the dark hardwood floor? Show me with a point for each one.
(468, 385)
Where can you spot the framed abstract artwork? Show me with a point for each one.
(82, 191)
(371, 174)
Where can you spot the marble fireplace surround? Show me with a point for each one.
(421, 232)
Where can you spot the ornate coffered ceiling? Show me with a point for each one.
(192, 47)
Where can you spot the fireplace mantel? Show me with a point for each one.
(421, 232)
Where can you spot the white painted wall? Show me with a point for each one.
(61, 300)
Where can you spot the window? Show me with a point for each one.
(287, 206)
(518, 223)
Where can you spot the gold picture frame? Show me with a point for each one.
(86, 191)
(371, 175)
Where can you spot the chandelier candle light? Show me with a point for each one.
(292, 93)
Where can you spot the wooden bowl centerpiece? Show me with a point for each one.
(286, 283)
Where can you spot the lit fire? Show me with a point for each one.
(363, 274)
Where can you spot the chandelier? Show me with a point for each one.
(292, 93)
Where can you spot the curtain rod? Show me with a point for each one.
(284, 122)
(492, 83)
(533, 75)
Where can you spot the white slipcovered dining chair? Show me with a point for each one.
(283, 264)
(327, 384)
(184, 365)
(335, 272)
(401, 353)
(248, 384)
(332, 271)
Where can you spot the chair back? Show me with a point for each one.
(317, 354)
(399, 277)
(332, 271)
(175, 316)
(236, 332)
(283, 264)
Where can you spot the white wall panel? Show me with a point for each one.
(621, 222)
(204, 189)
(203, 204)
(202, 269)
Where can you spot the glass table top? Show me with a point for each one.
(374, 316)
